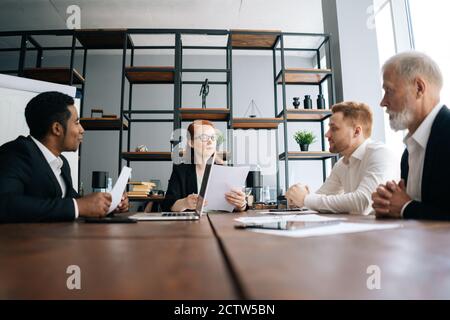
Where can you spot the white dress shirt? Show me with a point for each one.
(55, 164)
(416, 144)
(349, 187)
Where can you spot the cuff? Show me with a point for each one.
(77, 213)
(310, 200)
(404, 207)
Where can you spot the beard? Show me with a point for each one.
(400, 120)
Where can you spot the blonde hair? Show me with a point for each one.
(356, 113)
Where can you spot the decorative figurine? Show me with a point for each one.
(204, 92)
(296, 102)
(252, 110)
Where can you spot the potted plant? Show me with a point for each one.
(304, 139)
(219, 138)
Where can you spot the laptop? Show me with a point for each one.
(187, 215)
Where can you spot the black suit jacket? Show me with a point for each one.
(29, 191)
(182, 183)
(435, 204)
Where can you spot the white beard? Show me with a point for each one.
(400, 120)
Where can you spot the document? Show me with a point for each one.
(328, 230)
(292, 217)
(282, 212)
(222, 180)
(119, 188)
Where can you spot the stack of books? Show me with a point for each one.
(140, 189)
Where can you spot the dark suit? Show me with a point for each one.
(182, 183)
(435, 204)
(29, 191)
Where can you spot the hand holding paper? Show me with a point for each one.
(119, 188)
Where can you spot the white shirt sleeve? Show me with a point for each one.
(404, 207)
(377, 170)
(77, 213)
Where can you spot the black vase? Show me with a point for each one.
(320, 102)
(307, 102)
(296, 102)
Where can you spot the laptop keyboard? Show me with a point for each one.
(175, 214)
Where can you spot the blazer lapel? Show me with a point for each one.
(192, 179)
(431, 152)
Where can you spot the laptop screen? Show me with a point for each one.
(201, 195)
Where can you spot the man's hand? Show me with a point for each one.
(236, 198)
(296, 195)
(124, 204)
(389, 199)
(94, 205)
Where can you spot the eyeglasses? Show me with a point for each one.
(206, 137)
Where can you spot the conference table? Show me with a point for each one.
(211, 259)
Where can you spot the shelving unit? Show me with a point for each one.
(316, 76)
(175, 75)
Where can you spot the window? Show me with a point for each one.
(429, 22)
(387, 38)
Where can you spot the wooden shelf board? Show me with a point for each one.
(256, 123)
(306, 114)
(303, 76)
(241, 39)
(103, 124)
(156, 156)
(143, 75)
(102, 38)
(214, 114)
(307, 155)
(54, 74)
(147, 156)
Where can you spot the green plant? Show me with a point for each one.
(219, 138)
(303, 137)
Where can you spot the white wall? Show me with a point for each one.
(358, 55)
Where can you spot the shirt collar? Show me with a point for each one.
(52, 160)
(422, 133)
(358, 154)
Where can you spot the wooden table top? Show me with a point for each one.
(414, 261)
(210, 259)
(146, 260)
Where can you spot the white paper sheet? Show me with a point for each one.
(285, 213)
(221, 180)
(340, 228)
(119, 188)
(293, 217)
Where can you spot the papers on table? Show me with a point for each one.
(221, 180)
(292, 217)
(119, 188)
(325, 230)
(290, 212)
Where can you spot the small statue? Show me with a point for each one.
(204, 92)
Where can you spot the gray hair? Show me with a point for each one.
(412, 64)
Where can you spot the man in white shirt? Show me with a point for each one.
(412, 82)
(35, 179)
(364, 164)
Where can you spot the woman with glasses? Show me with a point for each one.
(186, 178)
